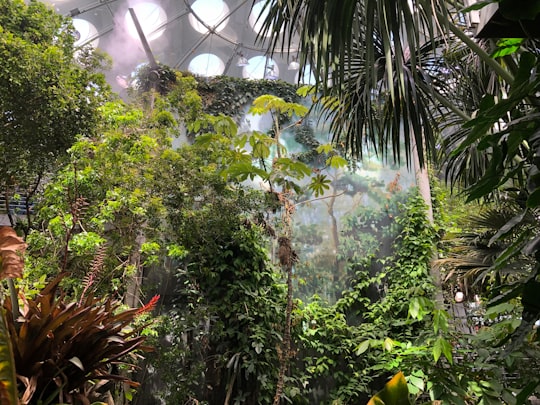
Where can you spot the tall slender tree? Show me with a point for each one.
(47, 97)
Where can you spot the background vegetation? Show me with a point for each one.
(130, 244)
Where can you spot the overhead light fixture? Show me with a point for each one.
(294, 65)
(242, 60)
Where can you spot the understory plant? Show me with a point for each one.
(63, 350)
(72, 352)
(223, 320)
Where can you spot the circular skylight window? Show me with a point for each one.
(257, 16)
(213, 13)
(150, 16)
(206, 64)
(85, 31)
(261, 67)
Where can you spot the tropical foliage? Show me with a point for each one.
(124, 213)
(51, 340)
(46, 97)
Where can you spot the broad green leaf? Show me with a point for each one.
(261, 151)
(325, 148)
(442, 346)
(416, 382)
(507, 46)
(242, 171)
(206, 140)
(494, 311)
(362, 347)
(258, 346)
(440, 320)
(240, 141)
(414, 308)
(336, 162)
(268, 103)
(419, 307)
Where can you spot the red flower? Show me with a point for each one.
(150, 306)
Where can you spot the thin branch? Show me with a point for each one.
(460, 113)
(483, 55)
(318, 198)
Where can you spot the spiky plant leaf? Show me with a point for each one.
(51, 342)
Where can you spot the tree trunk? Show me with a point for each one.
(422, 181)
(133, 289)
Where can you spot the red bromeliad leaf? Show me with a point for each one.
(71, 343)
(11, 249)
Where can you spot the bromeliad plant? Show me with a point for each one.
(66, 351)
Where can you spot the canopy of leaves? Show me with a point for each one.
(370, 60)
(46, 99)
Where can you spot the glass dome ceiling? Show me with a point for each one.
(206, 37)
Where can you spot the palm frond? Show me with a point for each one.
(371, 61)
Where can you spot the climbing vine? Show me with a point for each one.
(230, 96)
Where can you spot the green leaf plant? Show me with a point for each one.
(263, 156)
(385, 323)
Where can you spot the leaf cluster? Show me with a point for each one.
(51, 337)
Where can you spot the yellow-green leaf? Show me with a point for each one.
(388, 344)
(395, 392)
(8, 383)
(362, 347)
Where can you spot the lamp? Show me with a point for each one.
(242, 60)
(294, 65)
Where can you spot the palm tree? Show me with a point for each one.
(385, 61)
